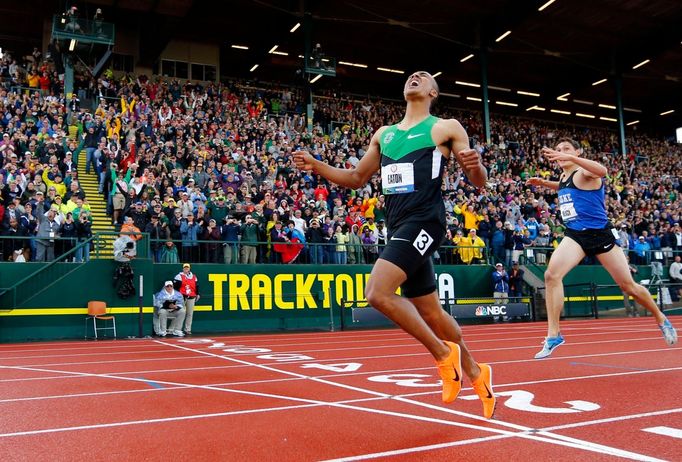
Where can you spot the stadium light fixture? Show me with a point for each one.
(637, 66)
(473, 98)
(546, 5)
(582, 101)
(467, 84)
(629, 109)
(527, 93)
(599, 82)
(316, 78)
(272, 50)
(386, 69)
(293, 29)
(281, 53)
(667, 112)
(72, 45)
(240, 47)
(466, 58)
(436, 74)
(504, 103)
(503, 36)
(492, 87)
(607, 106)
(451, 95)
(255, 66)
(535, 108)
(610, 119)
(634, 122)
(586, 116)
(346, 63)
(563, 97)
(559, 111)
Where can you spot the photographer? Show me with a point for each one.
(168, 303)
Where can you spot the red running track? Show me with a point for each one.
(613, 391)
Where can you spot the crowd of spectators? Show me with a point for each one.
(206, 170)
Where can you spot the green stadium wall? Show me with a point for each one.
(237, 298)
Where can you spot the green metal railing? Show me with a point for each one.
(43, 278)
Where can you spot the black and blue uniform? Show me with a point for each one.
(584, 214)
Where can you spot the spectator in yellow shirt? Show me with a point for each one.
(471, 250)
(33, 79)
(471, 218)
(56, 182)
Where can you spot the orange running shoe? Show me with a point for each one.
(483, 386)
(450, 371)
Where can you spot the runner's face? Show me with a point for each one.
(419, 83)
(566, 148)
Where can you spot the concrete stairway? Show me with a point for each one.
(100, 221)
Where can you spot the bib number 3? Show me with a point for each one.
(422, 242)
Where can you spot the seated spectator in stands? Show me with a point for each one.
(169, 304)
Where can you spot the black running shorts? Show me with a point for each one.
(594, 241)
(410, 248)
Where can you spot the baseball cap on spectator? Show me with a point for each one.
(186, 265)
(498, 265)
(138, 203)
(168, 283)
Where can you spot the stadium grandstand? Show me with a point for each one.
(148, 150)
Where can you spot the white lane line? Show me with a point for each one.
(665, 431)
(615, 419)
(77, 355)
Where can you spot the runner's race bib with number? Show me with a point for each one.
(397, 178)
(568, 211)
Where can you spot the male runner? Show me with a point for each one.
(411, 156)
(588, 232)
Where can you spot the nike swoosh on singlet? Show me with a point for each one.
(409, 137)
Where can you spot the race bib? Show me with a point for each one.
(568, 212)
(397, 178)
